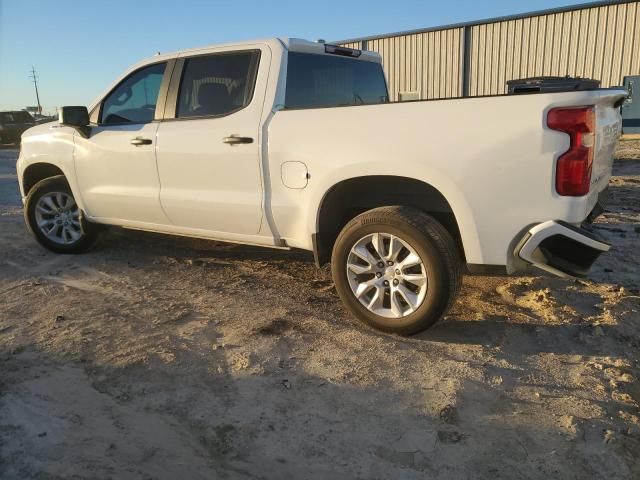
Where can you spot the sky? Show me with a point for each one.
(79, 47)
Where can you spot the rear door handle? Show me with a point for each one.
(140, 141)
(236, 140)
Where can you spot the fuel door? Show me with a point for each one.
(294, 175)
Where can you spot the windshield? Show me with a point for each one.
(315, 81)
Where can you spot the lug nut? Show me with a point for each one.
(380, 265)
(378, 275)
(398, 272)
(389, 263)
(386, 283)
(395, 282)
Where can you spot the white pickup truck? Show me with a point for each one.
(293, 144)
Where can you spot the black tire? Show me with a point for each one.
(89, 231)
(432, 243)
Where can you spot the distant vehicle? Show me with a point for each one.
(293, 144)
(13, 124)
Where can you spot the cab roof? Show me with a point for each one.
(290, 44)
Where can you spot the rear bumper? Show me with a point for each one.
(561, 248)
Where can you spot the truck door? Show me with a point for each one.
(116, 165)
(208, 149)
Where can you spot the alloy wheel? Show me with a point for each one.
(387, 275)
(58, 218)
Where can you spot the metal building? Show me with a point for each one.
(598, 40)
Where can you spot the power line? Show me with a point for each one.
(34, 77)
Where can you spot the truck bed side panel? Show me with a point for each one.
(492, 158)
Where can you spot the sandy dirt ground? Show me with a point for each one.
(156, 357)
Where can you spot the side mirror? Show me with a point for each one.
(76, 117)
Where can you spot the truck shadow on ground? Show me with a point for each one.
(150, 244)
(519, 331)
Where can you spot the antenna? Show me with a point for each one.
(34, 77)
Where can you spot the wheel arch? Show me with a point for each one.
(350, 197)
(32, 173)
(37, 172)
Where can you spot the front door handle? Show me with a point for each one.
(140, 141)
(236, 140)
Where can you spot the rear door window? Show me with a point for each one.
(315, 81)
(217, 85)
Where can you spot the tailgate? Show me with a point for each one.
(608, 130)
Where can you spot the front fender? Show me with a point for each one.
(49, 144)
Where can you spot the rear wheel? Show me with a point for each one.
(397, 269)
(54, 218)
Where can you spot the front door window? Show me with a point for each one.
(134, 99)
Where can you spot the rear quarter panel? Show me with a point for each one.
(492, 158)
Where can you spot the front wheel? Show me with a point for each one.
(54, 218)
(397, 269)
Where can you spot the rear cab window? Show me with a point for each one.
(317, 81)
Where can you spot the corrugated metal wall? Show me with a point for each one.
(428, 63)
(601, 42)
(356, 45)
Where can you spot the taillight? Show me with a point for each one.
(573, 168)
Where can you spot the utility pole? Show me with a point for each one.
(35, 84)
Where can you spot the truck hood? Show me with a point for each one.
(41, 129)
